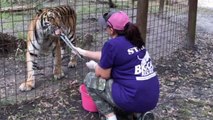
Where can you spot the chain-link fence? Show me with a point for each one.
(166, 32)
(167, 26)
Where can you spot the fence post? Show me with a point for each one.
(161, 6)
(141, 20)
(192, 16)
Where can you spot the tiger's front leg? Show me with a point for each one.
(29, 84)
(57, 71)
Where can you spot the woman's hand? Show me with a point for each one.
(91, 64)
(80, 51)
(99, 72)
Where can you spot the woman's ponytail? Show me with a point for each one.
(133, 34)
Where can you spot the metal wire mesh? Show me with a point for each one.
(14, 25)
(166, 33)
(167, 27)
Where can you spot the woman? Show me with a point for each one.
(125, 77)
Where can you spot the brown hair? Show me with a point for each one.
(132, 33)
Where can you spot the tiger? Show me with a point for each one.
(43, 37)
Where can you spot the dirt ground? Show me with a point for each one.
(186, 80)
(186, 91)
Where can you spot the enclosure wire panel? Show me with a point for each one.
(166, 32)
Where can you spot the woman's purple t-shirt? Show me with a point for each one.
(136, 86)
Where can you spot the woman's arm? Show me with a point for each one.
(103, 73)
(95, 55)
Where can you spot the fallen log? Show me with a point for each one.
(17, 8)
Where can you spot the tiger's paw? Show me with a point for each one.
(26, 86)
(58, 75)
(72, 64)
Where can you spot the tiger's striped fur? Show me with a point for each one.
(43, 36)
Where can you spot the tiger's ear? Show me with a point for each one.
(38, 12)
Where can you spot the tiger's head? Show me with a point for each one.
(50, 21)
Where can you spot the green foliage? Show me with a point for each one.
(4, 102)
(86, 9)
(21, 57)
(4, 15)
(10, 20)
(154, 9)
(22, 36)
(4, 3)
(123, 4)
(185, 113)
(10, 17)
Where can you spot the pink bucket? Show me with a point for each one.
(87, 101)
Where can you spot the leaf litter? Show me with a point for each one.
(186, 91)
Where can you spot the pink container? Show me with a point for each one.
(87, 101)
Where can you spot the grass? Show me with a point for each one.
(4, 3)
(124, 4)
(10, 20)
(22, 35)
(4, 102)
(87, 9)
(184, 114)
(21, 57)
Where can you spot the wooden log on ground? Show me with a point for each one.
(17, 8)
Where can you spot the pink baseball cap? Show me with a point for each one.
(117, 20)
